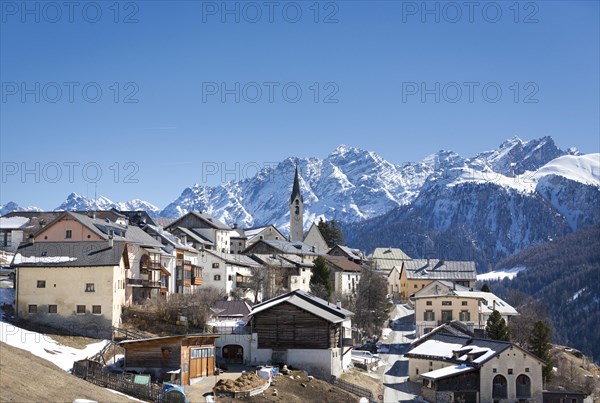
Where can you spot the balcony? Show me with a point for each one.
(347, 342)
(150, 284)
(140, 282)
(135, 281)
(150, 265)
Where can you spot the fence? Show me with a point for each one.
(356, 390)
(91, 371)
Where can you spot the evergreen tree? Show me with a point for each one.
(486, 288)
(320, 281)
(331, 232)
(539, 344)
(496, 328)
(337, 238)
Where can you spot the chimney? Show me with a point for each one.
(111, 241)
(494, 305)
(234, 226)
(427, 262)
(184, 239)
(338, 304)
(31, 239)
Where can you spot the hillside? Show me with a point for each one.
(564, 275)
(27, 378)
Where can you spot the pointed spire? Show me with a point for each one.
(296, 188)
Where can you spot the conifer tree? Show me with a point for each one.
(320, 281)
(496, 328)
(539, 344)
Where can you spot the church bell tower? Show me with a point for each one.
(296, 212)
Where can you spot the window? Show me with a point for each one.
(41, 284)
(464, 303)
(510, 371)
(416, 286)
(429, 316)
(5, 238)
(89, 287)
(52, 309)
(32, 308)
(494, 370)
(215, 265)
(97, 309)
(68, 234)
(428, 303)
(446, 303)
(526, 369)
(446, 316)
(80, 308)
(464, 316)
(230, 277)
(217, 277)
(297, 210)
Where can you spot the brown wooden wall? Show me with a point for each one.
(287, 326)
(153, 354)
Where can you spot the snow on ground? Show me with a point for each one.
(40, 344)
(45, 347)
(500, 274)
(577, 294)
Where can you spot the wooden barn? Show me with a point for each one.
(186, 358)
(300, 329)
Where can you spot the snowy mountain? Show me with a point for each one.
(467, 211)
(12, 206)
(76, 202)
(489, 206)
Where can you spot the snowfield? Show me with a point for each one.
(500, 274)
(40, 344)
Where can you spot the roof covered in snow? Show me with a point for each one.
(69, 254)
(13, 222)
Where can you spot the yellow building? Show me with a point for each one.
(412, 275)
(76, 286)
(442, 302)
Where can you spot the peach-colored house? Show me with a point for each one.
(145, 280)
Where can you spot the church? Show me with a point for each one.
(313, 238)
(299, 242)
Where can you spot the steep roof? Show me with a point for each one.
(389, 254)
(352, 253)
(452, 348)
(234, 258)
(231, 309)
(195, 236)
(435, 269)
(296, 188)
(308, 302)
(283, 246)
(343, 263)
(69, 254)
(206, 218)
(15, 222)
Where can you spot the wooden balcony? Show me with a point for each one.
(135, 281)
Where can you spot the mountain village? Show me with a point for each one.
(80, 271)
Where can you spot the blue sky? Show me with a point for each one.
(167, 117)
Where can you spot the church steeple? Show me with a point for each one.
(296, 211)
(296, 189)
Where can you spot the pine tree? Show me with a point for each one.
(337, 238)
(320, 281)
(486, 288)
(539, 344)
(331, 232)
(496, 328)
